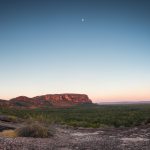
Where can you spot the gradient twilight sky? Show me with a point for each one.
(97, 47)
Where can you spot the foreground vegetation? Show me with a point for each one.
(34, 130)
(87, 115)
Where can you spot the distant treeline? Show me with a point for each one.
(87, 115)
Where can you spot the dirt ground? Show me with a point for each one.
(69, 138)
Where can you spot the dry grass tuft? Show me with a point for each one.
(8, 133)
(33, 130)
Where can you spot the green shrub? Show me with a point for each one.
(34, 130)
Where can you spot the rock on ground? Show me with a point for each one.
(67, 138)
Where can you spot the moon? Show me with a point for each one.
(82, 20)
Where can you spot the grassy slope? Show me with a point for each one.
(88, 115)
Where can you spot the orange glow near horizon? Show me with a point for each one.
(122, 96)
(120, 99)
(108, 93)
(102, 97)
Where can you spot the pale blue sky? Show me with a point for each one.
(46, 48)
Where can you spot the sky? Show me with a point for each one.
(97, 47)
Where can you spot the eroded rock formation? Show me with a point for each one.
(49, 100)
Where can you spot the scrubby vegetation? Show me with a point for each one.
(33, 130)
(87, 115)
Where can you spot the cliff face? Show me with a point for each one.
(56, 100)
(64, 99)
(29, 102)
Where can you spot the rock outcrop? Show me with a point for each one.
(49, 100)
(63, 99)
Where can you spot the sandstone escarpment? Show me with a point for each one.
(64, 99)
(49, 100)
(23, 101)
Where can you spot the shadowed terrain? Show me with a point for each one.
(84, 127)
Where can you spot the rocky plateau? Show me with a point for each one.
(49, 100)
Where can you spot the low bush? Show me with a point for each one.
(34, 130)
